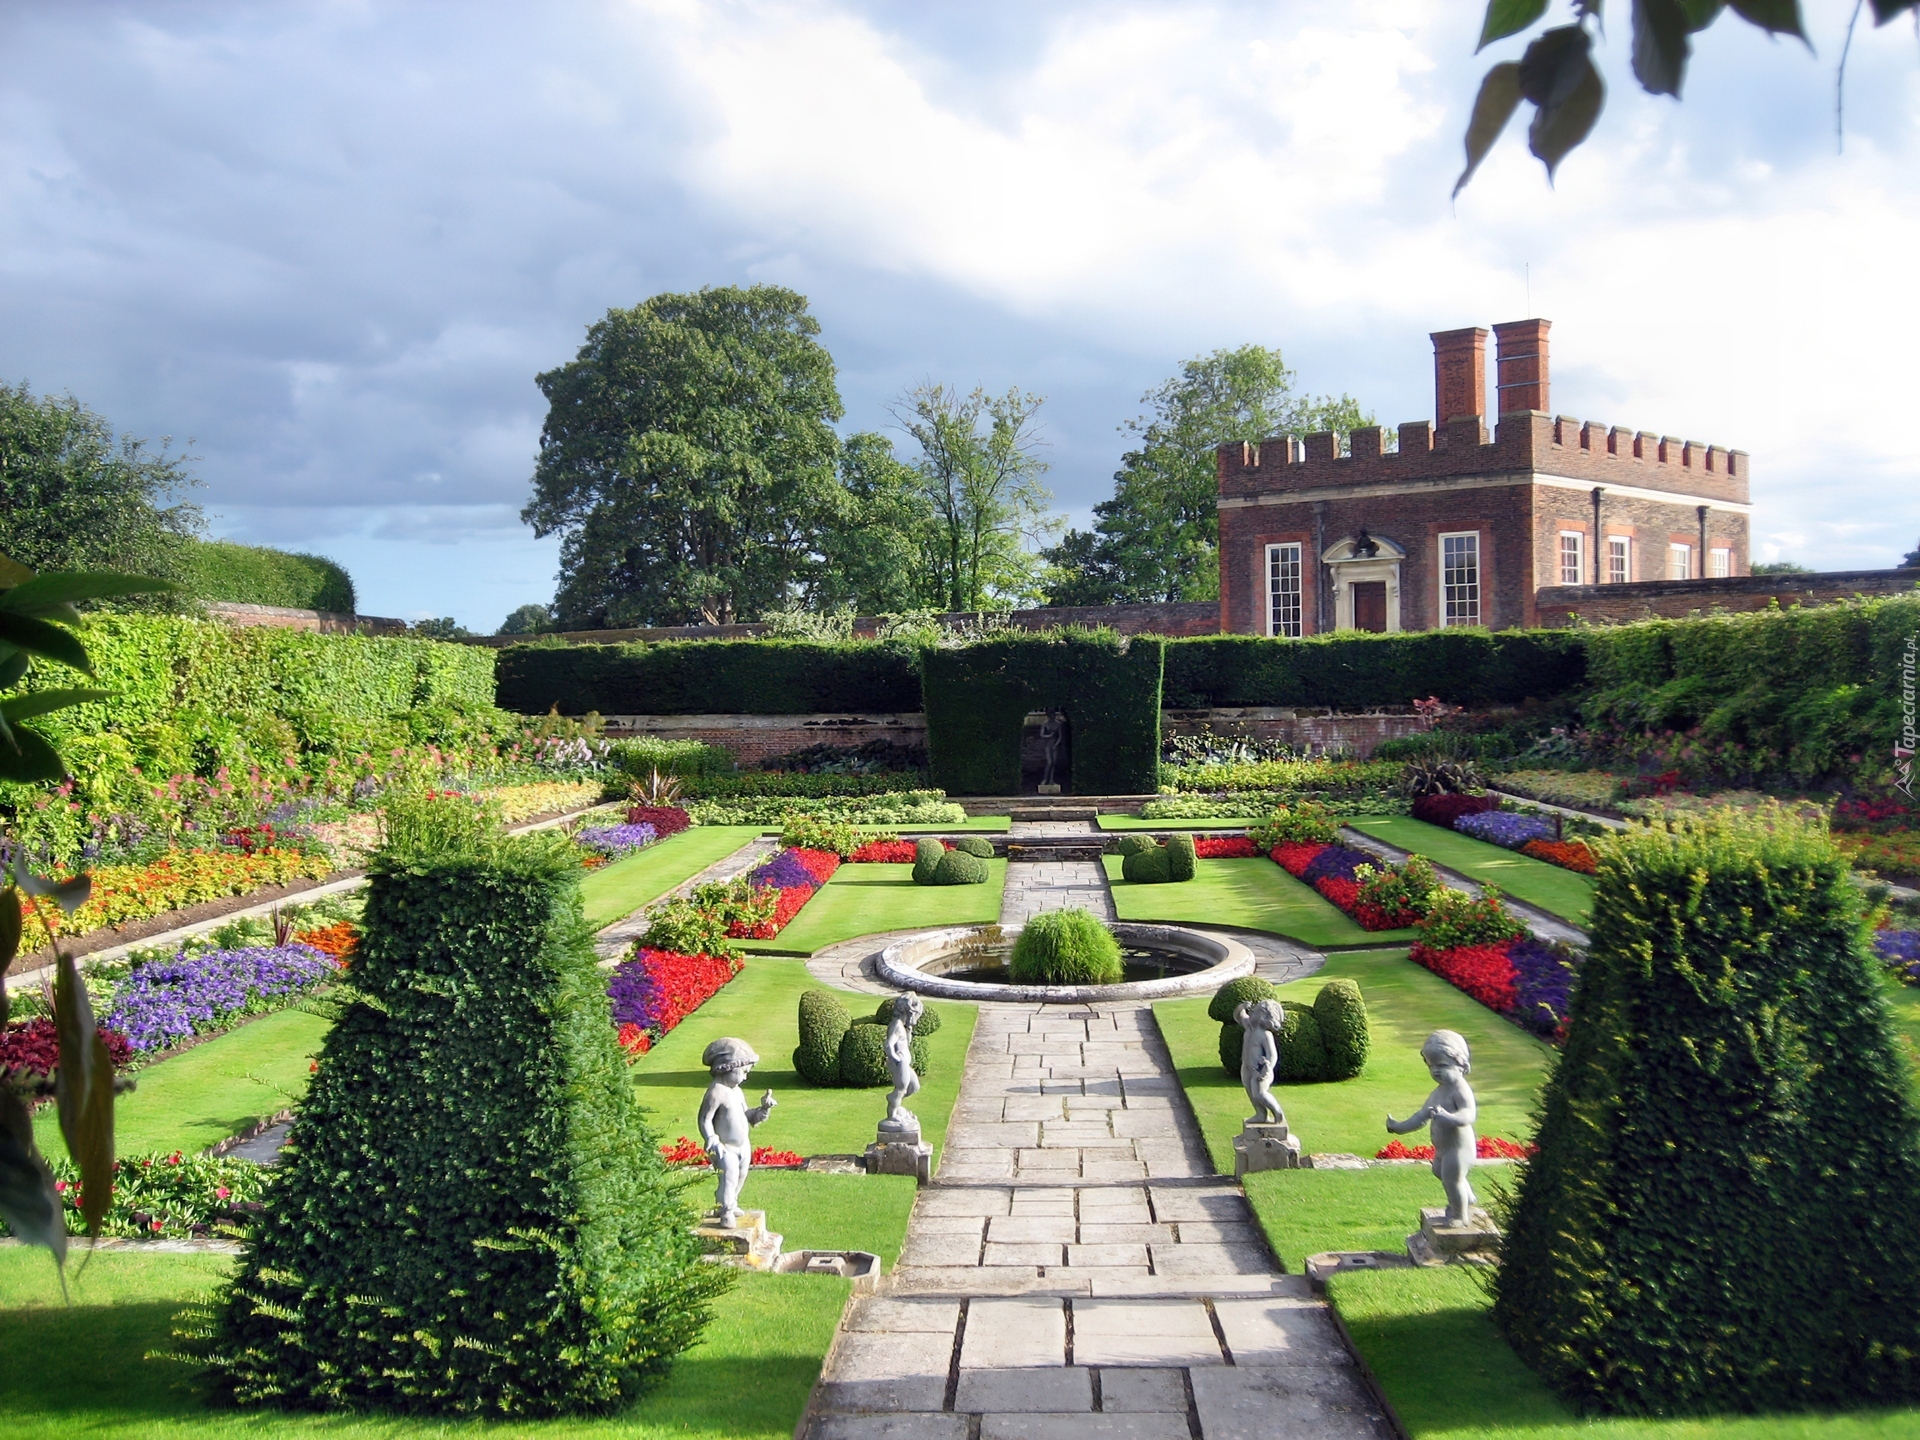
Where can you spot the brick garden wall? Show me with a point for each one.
(1675, 599)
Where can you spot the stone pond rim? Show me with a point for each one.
(917, 962)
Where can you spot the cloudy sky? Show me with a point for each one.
(332, 243)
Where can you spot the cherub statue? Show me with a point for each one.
(725, 1122)
(903, 1015)
(1452, 1111)
(1260, 1022)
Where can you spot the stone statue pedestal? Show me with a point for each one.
(1047, 789)
(747, 1244)
(897, 1149)
(1265, 1146)
(1438, 1243)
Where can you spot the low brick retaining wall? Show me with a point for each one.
(1676, 599)
(754, 738)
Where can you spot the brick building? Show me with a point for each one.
(1452, 528)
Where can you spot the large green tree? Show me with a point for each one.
(75, 496)
(979, 469)
(687, 460)
(1156, 538)
(879, 554)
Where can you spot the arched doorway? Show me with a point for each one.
(1366, 582)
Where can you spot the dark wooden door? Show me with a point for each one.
(1370, 605)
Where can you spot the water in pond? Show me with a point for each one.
(987, 964)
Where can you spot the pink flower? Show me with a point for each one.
(221, 1192)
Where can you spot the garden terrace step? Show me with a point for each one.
(1051, 814)
(1004, 804)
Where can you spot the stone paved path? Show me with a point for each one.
(1076, 1268)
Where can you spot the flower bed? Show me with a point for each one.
(32, 1047)
(1900, 949)
(1234, 847)
(1574, 855)
(1443, 810)
(1576, 789)
(123, 893)
(795, 875)
(340, 940)
(612, 842)
(657, 989)
(1896, 854)
(685, 1151)
(164, 1002)
(665, 819)
(1336, 872)
(1483, 971)
(883, 852)
(1485, 1147)
(169, 1197)
(1503, 828)
(1530, 981)
(546, 797)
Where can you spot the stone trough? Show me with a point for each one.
(925, 963)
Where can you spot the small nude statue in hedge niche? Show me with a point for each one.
(902, 1016)
(1260, 1022)
(726, 1124)
(1452, 1111)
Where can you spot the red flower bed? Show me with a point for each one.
(1294, 856)
(657, 989)
(1484, 971)
(1372, 917)
(33, 1047)
(665, 819)
(688, 1151)
(884, 852)
(1344, 893)
(820, 863)
(1572, 855)
(1235, 847)
(785, 908)
(1443, 810)
(1485, 1147)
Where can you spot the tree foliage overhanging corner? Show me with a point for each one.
(687, 458)
(1557, 76)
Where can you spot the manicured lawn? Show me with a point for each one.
(1905, 1000)
(760, 1006)
(1134, 822)
(1560, 892)
(214, 1090)
(1426, 1336)
(624, 886)
(89, 1371)
(865, 899)
(1307, 1211)
(1404, 1005)
(828, 1212)
(1252, 894)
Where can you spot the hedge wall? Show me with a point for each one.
(978, 697)
(1354, 671)
(256, 575)
(472, 1216)
(709, 677)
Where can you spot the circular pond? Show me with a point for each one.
(970, 963)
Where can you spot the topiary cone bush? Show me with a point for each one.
(863, 1054)
(1340, 1013)
(1065, 947)
(823, 1024)
(1182, 859)
(1720, 1216)
(471, 1216)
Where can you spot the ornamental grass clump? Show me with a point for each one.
(1720, 1215)
(472, 1216)
(1065, 947)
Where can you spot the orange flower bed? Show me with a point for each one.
(340, 941)
(183, 877)
(1572, 855)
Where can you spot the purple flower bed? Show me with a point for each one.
(616, 840)
(1900, 949)
(1543, 976)
(1500, 827)
(783, 872)
(167, 1001)
(1338, 862)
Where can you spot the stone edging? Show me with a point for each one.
(1374, 1387)
(1234, 960)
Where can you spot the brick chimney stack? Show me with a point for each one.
(1459, 375)
(1520, 365)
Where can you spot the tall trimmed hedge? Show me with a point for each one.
(1351, 671)
(1721, 1214)
(709, 677)
(471, 1216)
(256, 575)
(978, 697)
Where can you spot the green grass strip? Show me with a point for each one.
(1426, 1337)
(761, 1006)
(1251, 894)
(95, 1368)
(1557, 891)
(624, 886)
(216, 1089)
(1405, 1003)
(1134, 822)
(864, 899)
